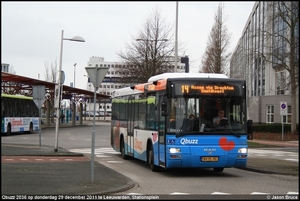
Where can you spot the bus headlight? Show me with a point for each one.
(174, 150)
(243, 150)
(242, 153)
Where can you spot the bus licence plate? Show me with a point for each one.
(209, 159)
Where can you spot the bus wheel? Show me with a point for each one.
(31, 128)
(122, 144)
(153, 167)
(8, 130)
(218, 169)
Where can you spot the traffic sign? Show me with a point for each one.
(38, 93)
(96, 74)
(283, 108)
(56, 96)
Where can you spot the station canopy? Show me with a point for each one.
(16, 84)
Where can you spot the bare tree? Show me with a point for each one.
(216, 58)
(11, 69)
(282, 49)
(51, 76)
(150, 53)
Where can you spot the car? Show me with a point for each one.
(44, 115)
(90, 114)
(87, 114)
(102, 114)
(97, 114)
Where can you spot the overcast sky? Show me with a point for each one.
(31, 31)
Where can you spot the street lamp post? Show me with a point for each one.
(176, 38)
(60, 83)
(74, 73)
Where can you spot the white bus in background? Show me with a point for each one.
(18, 114)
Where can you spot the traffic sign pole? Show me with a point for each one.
(96, 75)
(38, 93)
(283, 112)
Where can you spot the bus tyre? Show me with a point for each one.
(31, 128)
(8, 130)
(122, 144)
(218, 169)
(153, 167)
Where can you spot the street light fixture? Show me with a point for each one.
(60, 83)
(74, 73)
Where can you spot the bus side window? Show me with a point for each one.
(3, 111)
(142, 122)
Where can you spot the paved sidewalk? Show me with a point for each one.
(278, 143)
(64, 173)
(40, 171)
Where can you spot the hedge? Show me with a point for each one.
(273, 128)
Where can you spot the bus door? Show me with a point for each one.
(161, 131)
(130, 126)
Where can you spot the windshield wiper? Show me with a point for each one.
(236, 134)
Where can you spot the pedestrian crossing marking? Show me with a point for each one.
(259, 193)
(178, 193)
(101, 156)
(293, 160)
(97, 151)
(114, 161)
(220, 193)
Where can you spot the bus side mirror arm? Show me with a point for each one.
(249, 130)
(164, 109)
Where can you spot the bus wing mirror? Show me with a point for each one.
(249, 130)
(164, 108)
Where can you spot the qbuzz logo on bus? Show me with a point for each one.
(184, 141)
(183, 120)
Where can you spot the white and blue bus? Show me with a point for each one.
(18, 114)
(150, 121)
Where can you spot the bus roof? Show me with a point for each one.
(161, 81)
(186, 75)
(16, 96)
(125, 91)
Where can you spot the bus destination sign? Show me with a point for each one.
(206, 89)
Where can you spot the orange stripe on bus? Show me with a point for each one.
(161, 85)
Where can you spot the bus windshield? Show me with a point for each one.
(190, 114)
